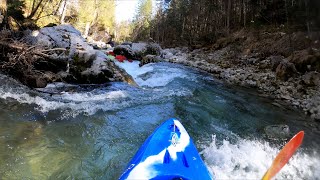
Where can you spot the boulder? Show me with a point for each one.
(275, 61)
(34, 80)
(127, 43)
(311, 78)
(84, 64)
(277, 132)
(285, 70)
(313, 107)
(153, 49)
(124, 50)
(150, 59)
(137, 50)
(306, 60)
(167, 53)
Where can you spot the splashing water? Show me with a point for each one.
(251, 159)
(106, 99)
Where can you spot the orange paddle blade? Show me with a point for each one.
(284, 155)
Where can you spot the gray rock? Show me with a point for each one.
(285, 70)
(87, 65)
(311, 78)
(251, 83)
(306, 60)
(137, 50)
(277, 132)
(124, 50)
(127, 43)
(275, 61)
(150, 59)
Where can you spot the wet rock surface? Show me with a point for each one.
(83, 64)
(277, 132)
(150, 59)
(137, 50)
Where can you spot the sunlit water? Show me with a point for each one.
(91, 132)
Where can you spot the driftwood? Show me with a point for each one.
(32, 65)
(45, 53)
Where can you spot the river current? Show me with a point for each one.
(92, 131)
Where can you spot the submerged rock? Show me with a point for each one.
(277, 132)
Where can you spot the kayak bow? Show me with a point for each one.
(168, 153)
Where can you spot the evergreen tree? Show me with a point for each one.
(203, 21)
(142, 20)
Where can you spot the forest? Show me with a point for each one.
(89, 17)
(204, 21)
(181, 22)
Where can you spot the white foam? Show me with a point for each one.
(133, 68)
(58, 85)
(250, 160)
(86, 97)
(111, 98)
(24, 98)
(158, 78)
(89, 102)
(78, 102)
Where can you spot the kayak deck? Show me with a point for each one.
(168, 153)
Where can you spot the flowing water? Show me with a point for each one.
(91, 132)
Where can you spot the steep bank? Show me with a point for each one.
(282, 66)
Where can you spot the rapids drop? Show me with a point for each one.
(91, 132)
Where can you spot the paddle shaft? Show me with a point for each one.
(284, 155)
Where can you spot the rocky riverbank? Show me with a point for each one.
(56, 54)
(264, 63)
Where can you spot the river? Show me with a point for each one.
(91, 132)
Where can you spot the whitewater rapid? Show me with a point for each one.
(166, 90)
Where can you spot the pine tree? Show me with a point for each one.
(142, 20)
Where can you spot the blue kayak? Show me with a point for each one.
(168, 153)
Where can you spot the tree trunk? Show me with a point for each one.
(306, 4)
(34, 9)
(94, 21)
(244, 13)
(86, 31)
(3, 11)
(63, 13)
(228, 16)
